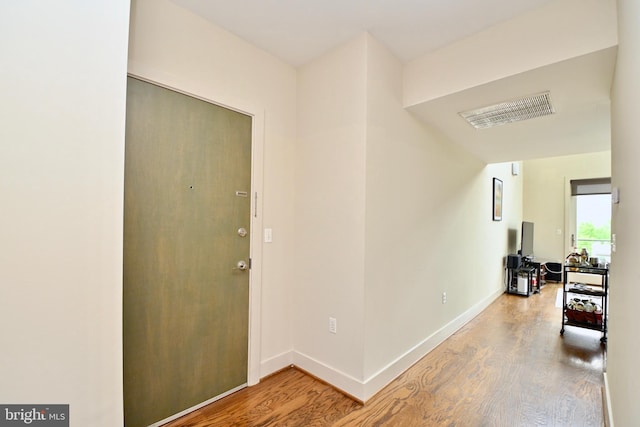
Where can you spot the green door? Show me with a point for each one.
(187, 187)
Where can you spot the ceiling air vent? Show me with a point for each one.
(509, 111)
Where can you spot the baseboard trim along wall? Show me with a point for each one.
(339, 380)
(380, 379)
(364, 390)
(607, 412)
(276, 363)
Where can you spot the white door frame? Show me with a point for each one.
(569, 217)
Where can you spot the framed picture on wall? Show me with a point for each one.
(497, 199)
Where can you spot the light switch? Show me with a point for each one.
(268, 235)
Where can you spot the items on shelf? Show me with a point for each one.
(585, 306)
(523, 276)
(584, 310)
(582, 259)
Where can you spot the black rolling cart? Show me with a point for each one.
(585, 305)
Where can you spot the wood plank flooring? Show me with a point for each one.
(507, 367)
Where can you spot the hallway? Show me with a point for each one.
(507, 367)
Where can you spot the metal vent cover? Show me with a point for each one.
(525, 108)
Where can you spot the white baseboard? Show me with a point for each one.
(334, 377)
(364, 390)
(607, 412)
(380, 379)
(276, 363)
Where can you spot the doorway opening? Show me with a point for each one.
(590, 217)
(593, 225)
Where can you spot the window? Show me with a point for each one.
(592, 216)
(593, 223)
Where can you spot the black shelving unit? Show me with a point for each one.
(527, 275)
(598, 294)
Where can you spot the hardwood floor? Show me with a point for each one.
(507, 367)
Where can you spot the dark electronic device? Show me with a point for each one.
(513, 261)
(526, 240)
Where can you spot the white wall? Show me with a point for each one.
(546, 199)
(330, 191)
(345, 167)
(560, 30)
(623, 345)
(386, 211)
(428, 223)
(61, 176)
(174, 47)
(62, 81)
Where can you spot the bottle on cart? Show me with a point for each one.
(584, 256)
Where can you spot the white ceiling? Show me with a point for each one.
(297, 31)
(580, 94)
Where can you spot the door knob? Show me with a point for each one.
(242, 232)
(242, 265)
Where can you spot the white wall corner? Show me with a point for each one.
(337, 379)
(276, 363)
(363, 391)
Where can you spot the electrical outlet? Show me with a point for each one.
(333, 325)
(444, 297)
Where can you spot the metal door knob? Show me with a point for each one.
(242, 265)
(242, 232)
